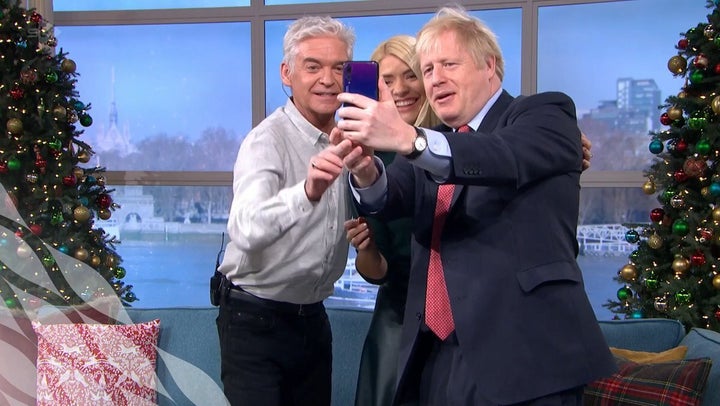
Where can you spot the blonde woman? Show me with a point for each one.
(384, 259)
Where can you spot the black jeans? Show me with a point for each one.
(273, 357)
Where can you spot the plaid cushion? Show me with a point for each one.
(676, 383)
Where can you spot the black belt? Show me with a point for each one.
(239, 295)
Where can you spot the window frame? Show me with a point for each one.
(258, 13)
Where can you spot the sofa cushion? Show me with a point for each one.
(96, 363)
(675, 383)
(706, 343)
(652, 335)
(188, 366)
(645, 357)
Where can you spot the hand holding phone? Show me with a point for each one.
(361, 77)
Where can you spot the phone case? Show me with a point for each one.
(361, 77)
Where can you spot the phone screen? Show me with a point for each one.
(361, 77)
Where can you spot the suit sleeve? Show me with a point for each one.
(536, 137)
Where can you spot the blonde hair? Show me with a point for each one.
(403, 48)
(471, 33)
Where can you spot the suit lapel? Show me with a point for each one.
(488, 124)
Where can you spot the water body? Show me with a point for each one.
(173, 271)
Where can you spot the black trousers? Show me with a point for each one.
(273, 355)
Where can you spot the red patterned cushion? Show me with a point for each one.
(676, 383)
(96, 363)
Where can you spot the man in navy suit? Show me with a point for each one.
(496, 312)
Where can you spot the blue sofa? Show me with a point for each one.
(190, 334)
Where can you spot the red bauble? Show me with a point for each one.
(694, 167)
(700, 61)
(680, 176)
(40, 163)
(717, 314)
(3, 167)
(104, 201)
(681, 145)
(36, 229)
(36, 17)
(17, 93)
(657, 214)
(698, 258)
(683, 43)
(717, 69)
(665, 119)
(69, 180)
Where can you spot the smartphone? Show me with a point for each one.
(361, 77)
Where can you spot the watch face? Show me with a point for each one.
(420, 143)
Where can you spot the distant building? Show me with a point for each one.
(110, 137)
(636, 108)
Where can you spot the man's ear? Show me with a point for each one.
(490, 63)
(285, 73)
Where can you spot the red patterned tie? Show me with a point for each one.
(438, 314)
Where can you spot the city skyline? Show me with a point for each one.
(170, 80)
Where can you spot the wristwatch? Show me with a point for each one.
(419, 145)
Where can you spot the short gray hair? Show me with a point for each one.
(315, 26)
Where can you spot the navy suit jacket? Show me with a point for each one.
(523, 321)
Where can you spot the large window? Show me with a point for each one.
(174, 88)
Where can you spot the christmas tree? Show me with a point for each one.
(43, 172)
(673, 272)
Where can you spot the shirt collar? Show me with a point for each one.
(477, 120)
(307, 129)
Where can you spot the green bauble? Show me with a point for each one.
(86, 120)
(703, 146)
(697, 76)
(51, 76)
(624, 293)
(13, 164)
(682, 297)
(680, 227)
(120, 272)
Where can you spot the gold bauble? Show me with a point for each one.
(682, 95)
(59, 112)
(677, 64)
(104, 214)
(716, 282)
(705, 192)
(78, 173)
(715, 104)
(81, 213)
(81, 254)
(95, 261)
(14, 126)
(83, 156)
(100, 180)
(680, 264)
(716, 213)
(674, 113)
(648, 187)
(655, 241)
(628, 272)
(110, 261)
(68, 66)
